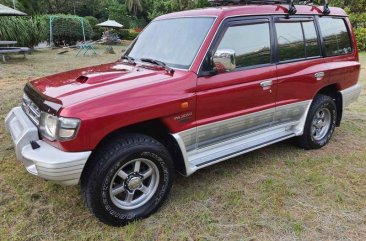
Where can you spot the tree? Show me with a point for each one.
(134, 6)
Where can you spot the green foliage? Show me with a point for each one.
(361, 38)
(126, 34)
(97, 31)
(68, 30)
(132, 35)
(155, 8)
(27, 31)
(92, 21)
(358, 20)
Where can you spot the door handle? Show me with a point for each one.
(319, 75)
(266, 84)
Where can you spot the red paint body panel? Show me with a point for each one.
(234, 94)
(111, 96)
(135, 95)
(296, 80)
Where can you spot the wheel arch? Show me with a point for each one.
(333, 91)
(153, 128)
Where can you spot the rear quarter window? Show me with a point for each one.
(336, 37)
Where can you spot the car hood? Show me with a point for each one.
(83, 84)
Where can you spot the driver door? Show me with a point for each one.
(242, 100)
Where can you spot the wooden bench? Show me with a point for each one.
(16, 50)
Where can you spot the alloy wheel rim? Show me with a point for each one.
(134, 184)
(321, 124)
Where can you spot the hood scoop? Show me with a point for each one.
(98, 77)
(82, 79)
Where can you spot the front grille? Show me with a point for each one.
(31, 109)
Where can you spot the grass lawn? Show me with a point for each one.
(277, 193)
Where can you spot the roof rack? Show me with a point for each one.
(291, 9)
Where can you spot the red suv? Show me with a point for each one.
(194, 89)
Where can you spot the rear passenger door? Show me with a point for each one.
(301, 68)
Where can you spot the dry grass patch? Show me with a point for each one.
(277, 193)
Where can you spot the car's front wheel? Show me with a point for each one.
(127, 179)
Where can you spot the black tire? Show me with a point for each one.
(309, 140)
(102, 170)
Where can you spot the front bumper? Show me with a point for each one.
(47, 162)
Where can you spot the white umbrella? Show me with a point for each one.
(110, 24)
(6, 11)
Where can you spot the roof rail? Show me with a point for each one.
(291, 9)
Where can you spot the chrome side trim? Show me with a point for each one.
(240, 135)
(244, 145)
(296, 112)
(350, 95)
(189, 168)
(227, 129)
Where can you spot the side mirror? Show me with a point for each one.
(224, 60)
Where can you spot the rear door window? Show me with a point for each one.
(311, 40)
(297, 40)
(290, 41)
(336, 37)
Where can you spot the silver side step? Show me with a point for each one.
(289, 121)
(201, 158)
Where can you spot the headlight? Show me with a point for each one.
(54, 128)
(68, 128)
(48, 126)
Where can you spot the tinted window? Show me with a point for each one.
(251, 43)
(335, 36)
(311, 39)
(290, 41)
(297, 40)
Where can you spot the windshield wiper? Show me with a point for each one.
(129, 59)
(160, 63)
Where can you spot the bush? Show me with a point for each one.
(361, 38)
(123, 34)
(27, 31)
(30, 31)
(97, 31)
(68, 30)
(132, 35)
(126, 34)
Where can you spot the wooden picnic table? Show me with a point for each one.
(7, 49)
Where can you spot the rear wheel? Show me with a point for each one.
(127, 179)
(320, 123)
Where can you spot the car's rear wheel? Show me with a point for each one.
(320, 123)
(127, 179)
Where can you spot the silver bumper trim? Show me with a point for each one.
(47, 162)
(351, 95)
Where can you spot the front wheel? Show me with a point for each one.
(320, 123)
(127, 179)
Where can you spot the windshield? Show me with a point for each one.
(172, 41)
